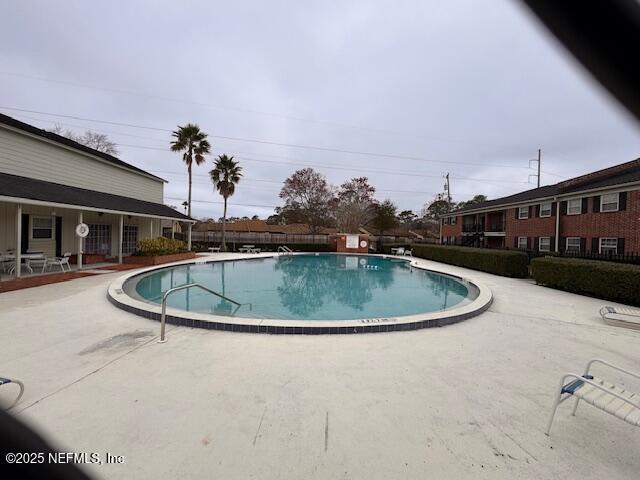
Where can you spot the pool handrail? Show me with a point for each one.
(284, 249)
(163, 316)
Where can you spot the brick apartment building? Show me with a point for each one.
(598, 212)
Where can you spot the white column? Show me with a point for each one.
(557, 240)
(80, 243)
(189, 236)
(120, 236)
(151, 227)
(173, 230)
(18, 240)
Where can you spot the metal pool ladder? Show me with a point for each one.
(284, 249)
(163, 316)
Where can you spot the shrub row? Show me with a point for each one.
(159, 246)
(508, 263)
(607, 280)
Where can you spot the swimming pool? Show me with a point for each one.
(305, 287)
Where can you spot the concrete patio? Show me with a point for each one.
(469, 400)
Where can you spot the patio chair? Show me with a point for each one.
(60, 261)
(621, 317)
(600, 393)
(6, 381)
(408, 253)
(400, 251)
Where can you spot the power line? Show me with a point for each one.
(333, 166)
(268, 142)
(237, 109)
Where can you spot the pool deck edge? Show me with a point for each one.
(117, 297)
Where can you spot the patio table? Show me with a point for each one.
(25, 256)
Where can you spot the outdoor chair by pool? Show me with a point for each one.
(6, 381)
(60, 261)
(600, 393)
(621, 317)
(408, 253)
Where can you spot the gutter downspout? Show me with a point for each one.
(557, 242)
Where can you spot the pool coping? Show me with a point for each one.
(117, 296)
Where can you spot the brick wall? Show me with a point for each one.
(532, 228)
(588, 225)
(452, 230)
(622, 224)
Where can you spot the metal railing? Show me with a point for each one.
(163, 316)
(284, 249)
(472, 227)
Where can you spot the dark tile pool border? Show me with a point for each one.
(301, 330)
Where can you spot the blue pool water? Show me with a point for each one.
(305, 287)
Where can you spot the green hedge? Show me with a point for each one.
(607, 280)
(159, 246)
(508, 263)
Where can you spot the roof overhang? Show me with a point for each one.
(29, 201)
(622, 187)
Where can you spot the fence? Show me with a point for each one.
(629, 257)
(258, 238)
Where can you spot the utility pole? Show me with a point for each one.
(447, 188)
(539, 162)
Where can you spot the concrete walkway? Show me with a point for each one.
(469, 400)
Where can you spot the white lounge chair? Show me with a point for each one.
(408, 253)
(6, 381)
(400, 251)
(621, 317)
(60, 261)
(600, 393)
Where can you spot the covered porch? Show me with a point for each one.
(38, 222)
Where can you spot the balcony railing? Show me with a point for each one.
(472, 227)
(495, 227)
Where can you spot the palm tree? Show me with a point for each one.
(193, 142)
(225, 175)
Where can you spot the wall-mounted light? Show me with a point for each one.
(53, 213)
(100, 214)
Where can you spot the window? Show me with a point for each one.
(545, 209)
(609, 202)
(523, 212)
(574, 207)
(129, 238)
(99, 240)
(42, 228)
(544, 244)
(522, 243)
(609, 245)
(573, 244)
(453, 220)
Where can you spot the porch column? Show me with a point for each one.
(79, 243)
(151, 227)
(189, 236)
(120, 235)
(173, 230)
(19, 241)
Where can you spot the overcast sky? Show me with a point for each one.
(470, 87)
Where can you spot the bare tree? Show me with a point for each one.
(97, 141)
(355, 204)
(307, 198)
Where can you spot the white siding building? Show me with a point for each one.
(49, 184)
